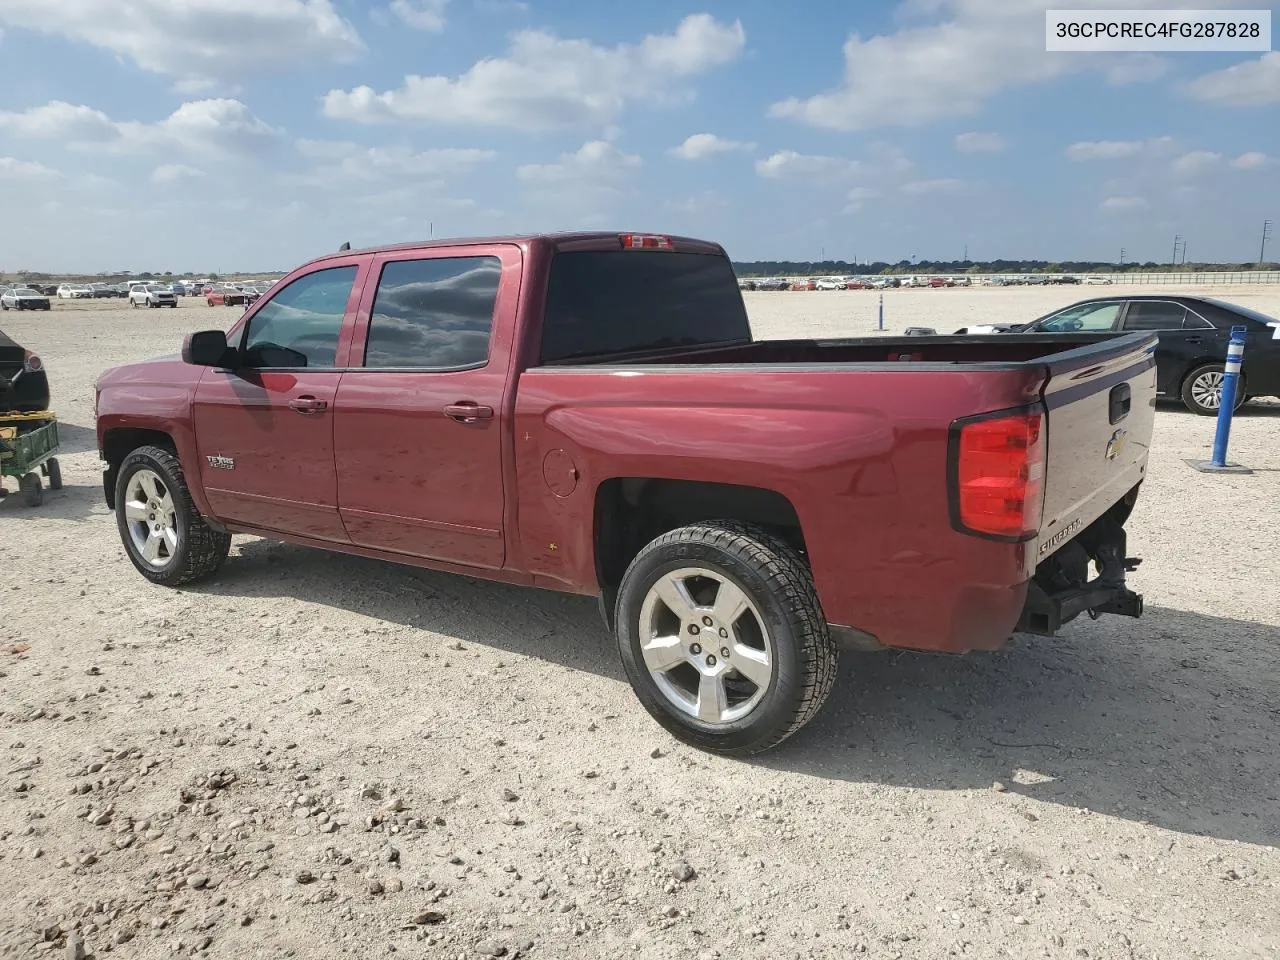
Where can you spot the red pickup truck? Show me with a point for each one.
(589, 413)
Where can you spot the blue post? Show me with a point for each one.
(1227, 404)
(881, 324)
(1226, 409)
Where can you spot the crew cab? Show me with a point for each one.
(590, 413)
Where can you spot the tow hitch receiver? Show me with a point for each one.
(1060, 590)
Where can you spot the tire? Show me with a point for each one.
(133, 304)
(199, 549)
(53, 470)
(1198, 381)
(780, 635)
(32, 489)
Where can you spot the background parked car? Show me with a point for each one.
(1193, 334)
(102, 291)
(224, 296)
(74, 291)
(151, 294)
(23, 384)
(23, 298)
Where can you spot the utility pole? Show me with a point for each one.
(966, 254)
(1266, 235)
(1122, 256)
(1177, 239)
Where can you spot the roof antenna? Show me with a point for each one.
(345, 247)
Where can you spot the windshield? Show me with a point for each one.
(26, 292)
(606, 302)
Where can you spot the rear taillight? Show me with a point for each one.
(997, 475)
(31, 363)
(645, 241)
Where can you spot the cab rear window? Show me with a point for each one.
(604, 303)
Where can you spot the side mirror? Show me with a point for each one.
(208, 348)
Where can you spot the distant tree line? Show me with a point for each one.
(788, 268)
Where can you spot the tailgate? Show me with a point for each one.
(1101, 408)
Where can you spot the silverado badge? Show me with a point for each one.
(1116, 443)
(221, 463)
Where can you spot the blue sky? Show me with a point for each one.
(253, 134)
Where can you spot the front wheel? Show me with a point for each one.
(166, 538)
(1202, 390)
(722, 637)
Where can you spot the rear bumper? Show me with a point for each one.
(982, 616)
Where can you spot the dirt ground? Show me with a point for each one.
(322, 756)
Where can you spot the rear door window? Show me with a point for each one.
(433, 314)
(1155, 315)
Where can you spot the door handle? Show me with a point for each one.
(308, 405)
(1193, 340)
(467, 411)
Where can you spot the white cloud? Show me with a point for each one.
(1087, 150)
(421, 14)
(197, 41)
(1195, 161)
(1123, 204)
(174, 172)
(13, 169)
(202, 127)
(545, 82)
(947, 185)
(703, 145)
(1254, 83)
(1137, 68)
(858, 197)
(595, 162)
(355, 163)
(975, 50)
(1253, 160)
(788, 164)
(980, 142)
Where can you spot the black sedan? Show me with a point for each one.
(23, 385)
(1192, 343)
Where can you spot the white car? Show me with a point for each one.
(960, 281)
(152, 295)
(74, 291)
(828, 283)
(1097, 281)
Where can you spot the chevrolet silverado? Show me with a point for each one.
(590, 413)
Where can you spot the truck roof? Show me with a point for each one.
(586, 238)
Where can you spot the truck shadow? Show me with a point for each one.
(1169, 720)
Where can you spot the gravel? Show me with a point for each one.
(1139, 817)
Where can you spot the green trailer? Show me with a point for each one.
(28, 442)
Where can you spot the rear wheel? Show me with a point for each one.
(722, 637)
(1202, 390)
(166, 538)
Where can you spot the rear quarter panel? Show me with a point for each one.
(860, 453)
